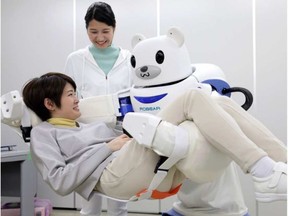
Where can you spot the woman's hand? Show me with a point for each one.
(117, 143)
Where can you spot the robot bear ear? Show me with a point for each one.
(175, 34)
(136, 39)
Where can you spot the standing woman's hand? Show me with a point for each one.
(117, 143)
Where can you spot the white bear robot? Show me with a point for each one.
(163, 70)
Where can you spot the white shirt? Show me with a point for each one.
(91, 80)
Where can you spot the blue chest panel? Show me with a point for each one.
(149, 99)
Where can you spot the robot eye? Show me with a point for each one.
(133, 61)
(159, 57)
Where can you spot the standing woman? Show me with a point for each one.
(102, 67)
(98, 69)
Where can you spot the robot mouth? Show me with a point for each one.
(143, 75)
(150, 99)
(147, 72)
(161, 85)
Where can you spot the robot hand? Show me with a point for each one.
(162, 137)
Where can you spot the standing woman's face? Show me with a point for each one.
(100, 34)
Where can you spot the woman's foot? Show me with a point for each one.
(273, 187)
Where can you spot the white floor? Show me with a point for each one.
(61, 212)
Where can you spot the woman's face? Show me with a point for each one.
(100, 34)
(69, 104)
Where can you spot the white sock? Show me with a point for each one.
(263, 167)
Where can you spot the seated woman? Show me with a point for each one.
(78, 157)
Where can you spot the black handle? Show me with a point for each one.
(248, 95)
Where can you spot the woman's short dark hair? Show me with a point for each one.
(49, 85)
(101, 12)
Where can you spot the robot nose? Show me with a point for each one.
(144, 69)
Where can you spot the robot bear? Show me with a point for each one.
(163, 71)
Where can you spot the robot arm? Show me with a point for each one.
(104, 108)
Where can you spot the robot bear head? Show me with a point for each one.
(160, 60)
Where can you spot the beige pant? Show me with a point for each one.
(132, 171)
(240, 137)
(227, 126)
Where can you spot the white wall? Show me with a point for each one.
(36, 38)
(246, 38)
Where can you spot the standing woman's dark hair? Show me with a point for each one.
(101, 12)
(49, 85)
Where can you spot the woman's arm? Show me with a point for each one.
(64, 176)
